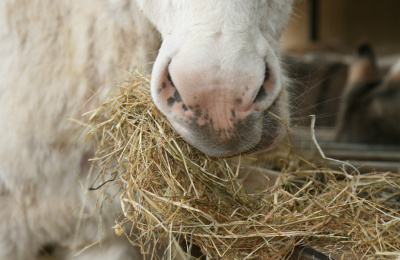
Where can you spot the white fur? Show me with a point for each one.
(213, 54)
(53, 56)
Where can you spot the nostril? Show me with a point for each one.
(267, 73)
(174, 95)
(170, 79)
(261, 95)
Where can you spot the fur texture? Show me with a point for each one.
(218, 72)
(54, 56)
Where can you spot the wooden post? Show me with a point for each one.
(314, 20)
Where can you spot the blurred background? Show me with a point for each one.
(344, 23)
(319, 44)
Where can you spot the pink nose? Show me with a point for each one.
(215, 101)
(220, 110)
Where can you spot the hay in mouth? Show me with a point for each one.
(171, 192)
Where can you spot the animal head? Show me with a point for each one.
(217, 77)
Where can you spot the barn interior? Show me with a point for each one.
(319, 46)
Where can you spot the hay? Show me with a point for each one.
(170, 191)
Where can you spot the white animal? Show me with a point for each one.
(216, 74)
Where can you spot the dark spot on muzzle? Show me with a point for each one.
(228, 139)
(197, 113)
(176, 98)
(163, 86)
(170, 101)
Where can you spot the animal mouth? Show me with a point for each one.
(245, 141)
(222, 124)
(273, 132)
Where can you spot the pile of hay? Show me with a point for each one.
(172, 193)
